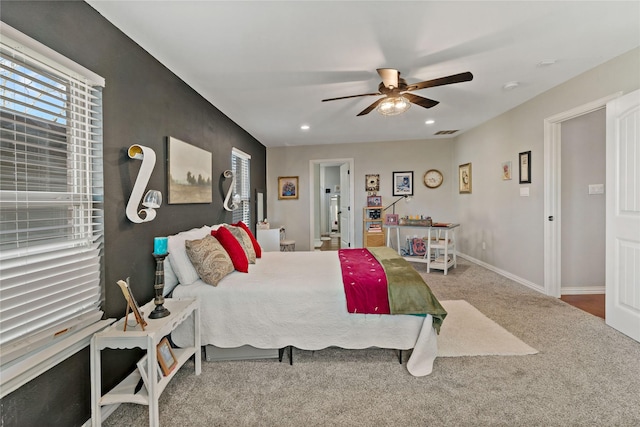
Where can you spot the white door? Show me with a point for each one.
(623, 215)
(345, 208)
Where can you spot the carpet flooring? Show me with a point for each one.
(584, 374)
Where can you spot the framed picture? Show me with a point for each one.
(464, 178)
(143, 367)
(403, 183)
(166, 358)
(506, 171)
(372, 182)
(525, 167)
(287, 187)
(374, 201)
(132, 305)
(391, 219)
(189, 173)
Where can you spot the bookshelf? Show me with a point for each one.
(372, 230)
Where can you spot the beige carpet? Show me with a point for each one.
(468, 332)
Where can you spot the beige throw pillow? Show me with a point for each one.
(209, 258)
(245, 241)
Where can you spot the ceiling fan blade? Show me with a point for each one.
(421, 101)
(455, 78)
(352, 96)
(371, 107)
(389, 76)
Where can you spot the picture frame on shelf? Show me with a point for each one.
(464, 178)
(524, 167)
(189, 176)
(403, 183)
(374, 201)
(143, 369)
(166, 358)
(391, 219)
(288, 187)
(132, 305)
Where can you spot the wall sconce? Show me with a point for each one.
(153, 198)
(235, 199)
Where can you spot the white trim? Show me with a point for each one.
(552, 187)
(312, 183)
(583, 290)
(36, 50)
(16, 374)
(504, 273)
(239, 153)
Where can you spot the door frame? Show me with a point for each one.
(314, 186)
(552, 191)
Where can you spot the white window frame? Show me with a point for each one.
(62, 266)
(241, 168)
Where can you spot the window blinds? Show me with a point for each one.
(240, 164)
(51, 195)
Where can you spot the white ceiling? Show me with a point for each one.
(268, 64)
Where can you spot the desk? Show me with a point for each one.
(441, 242)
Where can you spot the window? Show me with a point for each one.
(51, 196)
(240, 165)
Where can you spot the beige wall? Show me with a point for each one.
(369, 158)
(510, 226)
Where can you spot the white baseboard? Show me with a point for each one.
(582, 290)
(504, 273)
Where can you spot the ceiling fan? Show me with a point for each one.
(397, 98)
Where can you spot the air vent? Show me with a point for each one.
(445, 132)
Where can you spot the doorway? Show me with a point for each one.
(331, 222)
(553, 192)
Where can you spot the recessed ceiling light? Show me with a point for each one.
(305, 127)
(510, 85)
(430, 122)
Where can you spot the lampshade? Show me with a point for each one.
(153, 199)
(393, 105)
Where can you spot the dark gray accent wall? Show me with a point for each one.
(143, 103)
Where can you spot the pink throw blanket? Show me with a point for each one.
(365, 282)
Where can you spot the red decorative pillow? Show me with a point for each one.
(234, 249)
(256, 245)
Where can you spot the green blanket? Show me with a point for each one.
(408, 293)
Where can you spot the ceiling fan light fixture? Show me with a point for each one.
(393, 105)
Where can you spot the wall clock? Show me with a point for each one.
(372, 182)
(433, 178)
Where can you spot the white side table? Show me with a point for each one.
(134, 337)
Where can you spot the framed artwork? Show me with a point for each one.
(403, 183)
(166, 358)
(506, 171)
(143, 368)
(391, 219)
(374, 201)
(132, 305)
(189, 173)
(464, 178)
(287, 187)
(372, 182)
(525, 167)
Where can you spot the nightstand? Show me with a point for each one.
(115, 338)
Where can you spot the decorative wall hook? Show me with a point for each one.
(235, 198)
(153, 198)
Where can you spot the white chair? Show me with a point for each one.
(286, 245)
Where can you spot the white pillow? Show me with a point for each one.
(180, 262)
(170, 278)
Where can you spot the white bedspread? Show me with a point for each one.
(297, 298)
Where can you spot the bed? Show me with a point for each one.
(293, 299)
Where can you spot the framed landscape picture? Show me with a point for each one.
(287, 187)
(189, 173)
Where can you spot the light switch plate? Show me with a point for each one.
(596, 188)
(524, 192)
